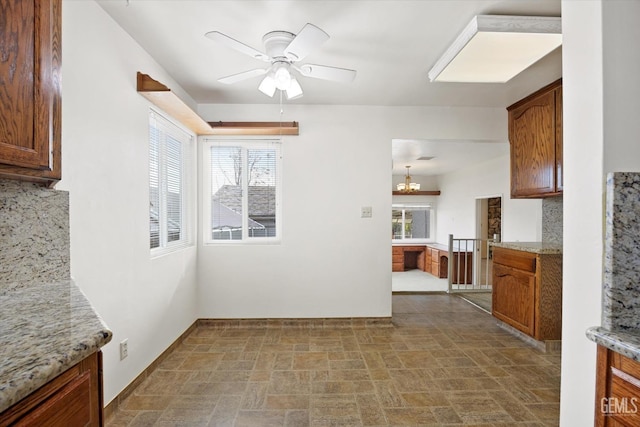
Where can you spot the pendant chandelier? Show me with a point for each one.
(407, 186)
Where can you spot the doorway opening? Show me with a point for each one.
(488, 229)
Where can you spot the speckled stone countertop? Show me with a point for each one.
(44, 330)
(620, 330)
(625, 343)
(534, 247)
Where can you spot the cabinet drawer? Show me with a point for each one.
(516, 259)
(629, 366)
(71, 406)
(397, 258)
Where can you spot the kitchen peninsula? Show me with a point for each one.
(50, 360)
(527, 288)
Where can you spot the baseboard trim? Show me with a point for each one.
(549, 346)
(113, 406)
(419, 293)
(298, 323)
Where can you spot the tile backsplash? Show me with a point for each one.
(34, 233)
(552, 220)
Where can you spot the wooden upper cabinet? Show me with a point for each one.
(30, 92)
(535, 135)
(559, 177)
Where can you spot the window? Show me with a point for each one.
(241, 191)
(412, 222)
(169, 171)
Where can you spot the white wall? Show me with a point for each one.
(331, 263)
(601, 104)
(621, 102)
(105, 169)
(456, 213)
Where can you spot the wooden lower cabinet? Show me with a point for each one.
(397, 260)
(438, 268)
(527, 292)
(74, 398)
(617, 390)
(514, 297)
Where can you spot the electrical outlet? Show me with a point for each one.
(124, 349)
(366, 212)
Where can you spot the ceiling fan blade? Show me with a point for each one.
(235, 44)
(324, 72)
(234, 78)
(309, 38)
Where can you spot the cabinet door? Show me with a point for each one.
(532, 135)
(558, 106)
(513, 297)
(30, 89)
(617, 390)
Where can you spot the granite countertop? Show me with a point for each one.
(625, 343)
(534, 247)
(44, 330)
(620, 329)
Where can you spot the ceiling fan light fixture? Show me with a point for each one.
(268, 86)
(295, 90)
(282, 76)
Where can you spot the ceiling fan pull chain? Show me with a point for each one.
(281, 113)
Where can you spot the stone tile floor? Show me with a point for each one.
(444, 362)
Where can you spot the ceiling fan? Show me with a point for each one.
(283, 50)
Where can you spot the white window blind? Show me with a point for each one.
(243, 183)
(169, 155)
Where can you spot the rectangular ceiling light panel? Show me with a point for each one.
(496, 48)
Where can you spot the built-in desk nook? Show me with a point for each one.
(408, 257)
(433, 258)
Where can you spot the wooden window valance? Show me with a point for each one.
(161, 96)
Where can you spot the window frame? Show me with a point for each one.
(430, 206)
(245, 143)
(186, 183)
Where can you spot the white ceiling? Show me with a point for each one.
(392, 45)
(448, 155)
